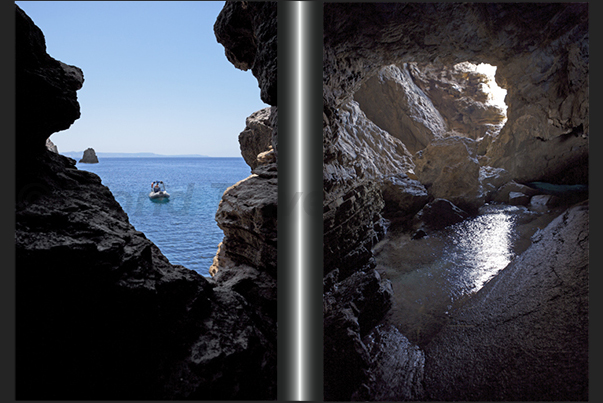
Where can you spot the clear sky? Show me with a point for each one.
(155, 78)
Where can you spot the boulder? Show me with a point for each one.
(502, 194)
(257, 136)
(543, 202)
(393, 102)
(89, 157)
(449, 169)
(491, 179)
(438, 214)
(403, 197)
(518, 199)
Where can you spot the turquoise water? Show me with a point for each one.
(184, 228)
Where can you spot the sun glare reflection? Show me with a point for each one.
(486, 248)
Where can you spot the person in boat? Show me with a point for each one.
(156, 188)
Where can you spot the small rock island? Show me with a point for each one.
(89, 157)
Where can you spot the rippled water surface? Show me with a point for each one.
(433, 275)
(184, 228)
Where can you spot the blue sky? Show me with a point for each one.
(156, 79)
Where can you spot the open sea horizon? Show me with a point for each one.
(184, 228)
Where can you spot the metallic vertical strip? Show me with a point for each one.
(287, 359)
(300, 201)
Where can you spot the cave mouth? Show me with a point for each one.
(496, 94)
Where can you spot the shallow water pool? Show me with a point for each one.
(433, 275)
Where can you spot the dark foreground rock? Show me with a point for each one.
(524, 336)
(351, 309)
(100, 311)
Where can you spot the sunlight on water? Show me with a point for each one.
(431, 276)
(482, 248)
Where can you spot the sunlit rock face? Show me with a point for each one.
(393, 102)
(449, 169)
(462, 94)
(257, 136)
(541, 55)
(101, 312)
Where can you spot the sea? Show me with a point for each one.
(184, 228)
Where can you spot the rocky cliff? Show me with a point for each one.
(101, 313)
(541, 52)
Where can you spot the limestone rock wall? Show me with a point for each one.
(394, 103)
(460, 94)
(257, 136)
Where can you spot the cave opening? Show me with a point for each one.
(446, 117)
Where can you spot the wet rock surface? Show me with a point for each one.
(101, 313)
(525, 334)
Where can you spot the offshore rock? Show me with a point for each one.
(257, 136)
(525, 333)
(449, 169)
(89, 157)
(101, 313)
(393, 102)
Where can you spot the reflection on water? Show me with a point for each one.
(480, 248)
(433, 275)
